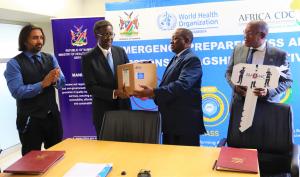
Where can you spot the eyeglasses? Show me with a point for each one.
(250, 33)
(107, 35)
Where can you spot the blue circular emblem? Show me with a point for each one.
(166, 21)
(210, 107)
(285, 96)
(215, 106)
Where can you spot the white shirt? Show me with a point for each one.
(259, 55)
(104, 51)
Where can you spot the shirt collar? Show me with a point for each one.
(261, 48)
(30, 54)
(178, 55)
(104, 51)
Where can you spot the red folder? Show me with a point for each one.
(236, 159)
(35, 162)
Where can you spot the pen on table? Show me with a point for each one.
(214, 166)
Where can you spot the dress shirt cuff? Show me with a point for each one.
(55, 85)
(39, 87)
(113, 95)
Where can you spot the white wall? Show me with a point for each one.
(51, 8)
(39, 12)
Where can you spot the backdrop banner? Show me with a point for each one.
(72, 37)
(144, 29)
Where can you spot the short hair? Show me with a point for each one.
(100, 24)
(25, 33)
(186, 34)
(261, 26)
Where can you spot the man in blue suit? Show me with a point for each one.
(179, 96)
(263, 54)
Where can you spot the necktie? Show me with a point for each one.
(110, 62)
(174, 61)
(250, 56)
(170, 66)
(37, 63)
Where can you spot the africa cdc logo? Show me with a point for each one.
(214, 105)
(166, 21)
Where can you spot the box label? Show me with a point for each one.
(126, 77)
(140, 76)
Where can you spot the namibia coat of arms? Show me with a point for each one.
(78, 37)
(129, 25)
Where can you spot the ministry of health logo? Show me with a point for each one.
(129, 24)
(166, 21)
(214, 105)
(78, 36)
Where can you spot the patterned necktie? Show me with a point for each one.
(250, 56)
(110, 62)
(37, 63)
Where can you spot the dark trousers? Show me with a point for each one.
(35, 131)
(186, 140)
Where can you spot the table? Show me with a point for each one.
(161, 160)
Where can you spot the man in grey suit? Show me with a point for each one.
(256, 50)
(99, 68)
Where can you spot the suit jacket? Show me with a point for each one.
(179, 96)
(100, 81)
(273, 56)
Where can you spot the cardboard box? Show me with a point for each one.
(132, 75)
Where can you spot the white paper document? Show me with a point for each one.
(89, 170)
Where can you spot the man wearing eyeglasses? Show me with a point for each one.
(256, 50)
(99, 68)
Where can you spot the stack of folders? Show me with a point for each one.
(237, 159)
(89, 170)
(35, 162)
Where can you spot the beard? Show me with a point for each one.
(36, 49)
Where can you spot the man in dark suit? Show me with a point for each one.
(263, 54)
(179, 96)
(99, 68)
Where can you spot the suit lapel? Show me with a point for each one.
(244, 54)
(116, 57)
(268, 60)
(99, 56)
(168, 69)
(172, 66)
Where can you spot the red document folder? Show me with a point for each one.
(35, 162)
(236, 159)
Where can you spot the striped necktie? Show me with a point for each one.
(250, 56)
(110, 62)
